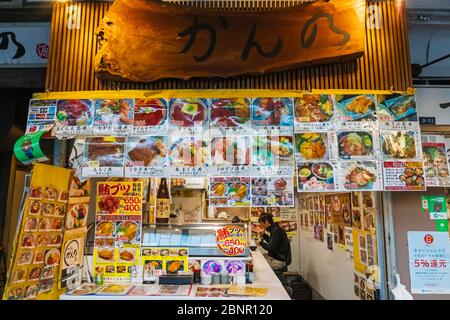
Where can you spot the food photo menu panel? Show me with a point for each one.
(118, 229)
(339, 142)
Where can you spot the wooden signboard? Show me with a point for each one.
(142, 40)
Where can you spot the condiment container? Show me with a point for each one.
(206, 279)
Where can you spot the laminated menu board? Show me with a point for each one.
(78, 204)
(118, 229)
(360, 176)
(215, 291)
(35, 263)
(357, 145)
(272, 116)
(396, 108)
(273, 155)
(114, 289)
(230, 155)
(74, 118)
(70, 273)
(229, 192)
(272, 191)
(113, 116)
(436, 161)
(146, 156)
(400, 144)
(103, 157)
(165, 260)
(230, 116)
(188, 156)
(188, 137)
(256, 212)
(312, 146)
(316, 176)
(150, 117)
(188, 116)
(314, 112)
(404, 176)
(41, 115)
(355, 112)
(338, 208)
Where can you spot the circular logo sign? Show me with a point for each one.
(72, 252)
(42, 50)
(231, 240)
(428, 239)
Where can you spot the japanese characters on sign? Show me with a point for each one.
(436, 163)
(41, 115)
(229, 192)
(113, 116)
(351, 142)
(435, 206)
(231, 240)
(403, 176)
(429, 262)
(213, 43)
(104, 157)
(118, 229)
(36, 260)
(73, 118)
(72, 258)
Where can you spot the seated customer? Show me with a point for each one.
(277, 244)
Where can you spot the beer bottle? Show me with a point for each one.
(162, 203)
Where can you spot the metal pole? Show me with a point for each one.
(389, 243)
(59, 153)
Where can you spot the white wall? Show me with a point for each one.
(428, 101)
(330, 273)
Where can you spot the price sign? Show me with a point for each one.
(429, 265)
(231, 240)
(119, 197)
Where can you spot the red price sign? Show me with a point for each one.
(132, 204)
(231, 240)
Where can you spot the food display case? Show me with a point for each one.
(199, 238)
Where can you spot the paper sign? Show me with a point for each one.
(231, 240)
(41, 115)
(436, 206)
(72, 258)
(436, 162)
(403, 176)
(118, 229)
(429, 262)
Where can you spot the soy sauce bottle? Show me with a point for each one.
(163, 203)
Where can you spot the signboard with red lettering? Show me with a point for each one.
(231, 240)
(118, 225)
(429, 262)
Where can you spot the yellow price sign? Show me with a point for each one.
(231, 240)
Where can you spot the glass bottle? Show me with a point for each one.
(162, 203)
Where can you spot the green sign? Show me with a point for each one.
(436, 206)
(442, 225)
(27, 149)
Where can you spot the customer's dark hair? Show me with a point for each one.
(266, 217)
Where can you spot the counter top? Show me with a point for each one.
(264, 278)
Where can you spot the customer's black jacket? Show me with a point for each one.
(277, 244)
